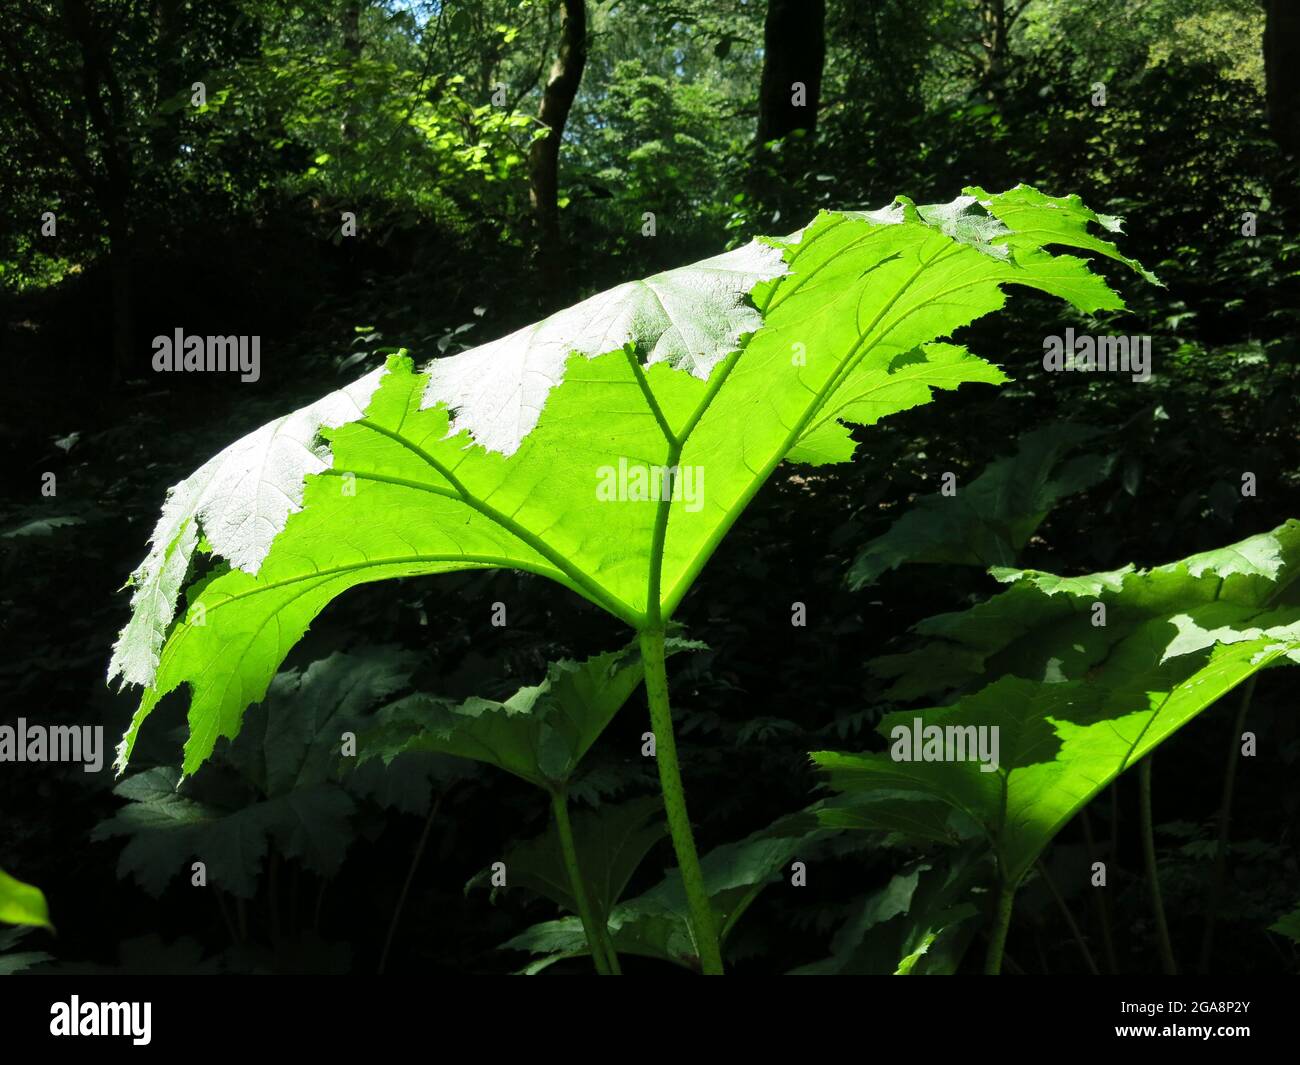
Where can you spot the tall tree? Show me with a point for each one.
(996, 18)
(794, 52)
(789, 95)
(1282, 72)
(557, 99)
(978, 34)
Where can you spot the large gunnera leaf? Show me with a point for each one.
(1077, 679)
(544, 451)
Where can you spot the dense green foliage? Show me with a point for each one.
(352, 618)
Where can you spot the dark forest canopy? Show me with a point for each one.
(136, 123)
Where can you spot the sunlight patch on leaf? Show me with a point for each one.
(690, 318)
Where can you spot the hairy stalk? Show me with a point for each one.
(703, 927)
(1001, 923)
(1153, 880)
(560, 808)
(1225, 822)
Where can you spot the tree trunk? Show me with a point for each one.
(794, 51)
(789, 94)
(557, 99)
(1282, 73)
(994, 30)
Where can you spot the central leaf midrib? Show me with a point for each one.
(847, 363)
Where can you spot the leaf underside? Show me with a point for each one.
(724, 372)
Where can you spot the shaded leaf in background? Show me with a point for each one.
(15, 961)
(1046, 626)
(1073, 710)
(919, 924)
(655, 924)
(292, 785)
(1288, 925)
(990, 519)
(610, 843)
(539, 734)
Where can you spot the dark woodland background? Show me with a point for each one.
(499, 158)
